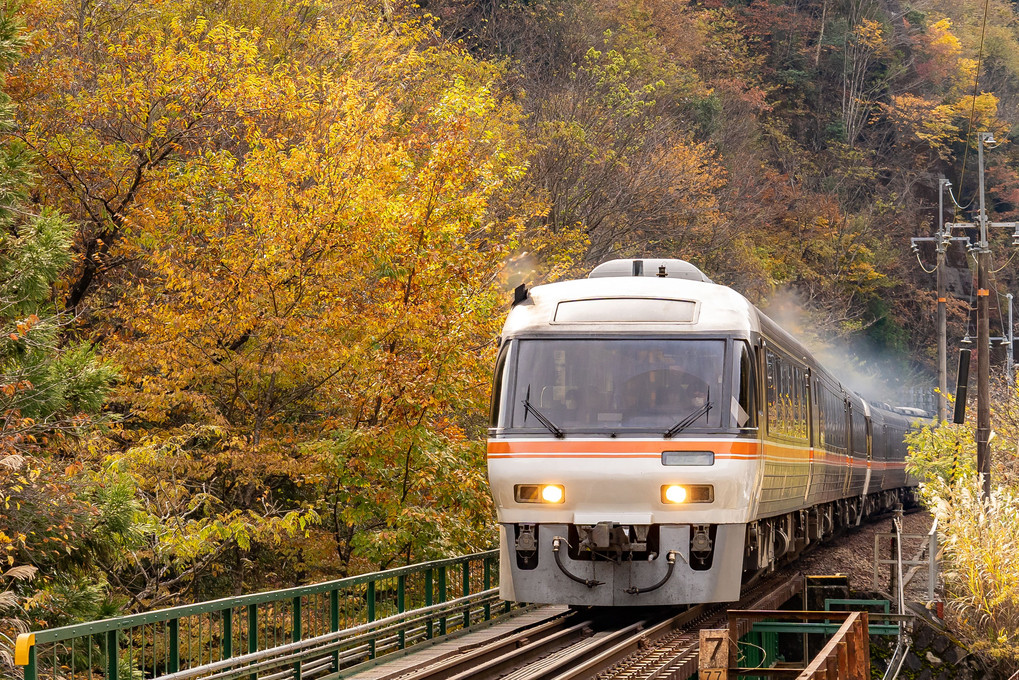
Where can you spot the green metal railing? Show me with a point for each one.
(295, 634)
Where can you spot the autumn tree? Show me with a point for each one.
(55, 522)
(301, 260)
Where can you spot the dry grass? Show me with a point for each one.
(981, 539)
(982, 575)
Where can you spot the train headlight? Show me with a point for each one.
(674, 494)
(539, 493)
(553, 493)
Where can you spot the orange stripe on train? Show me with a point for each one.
(652, 450)
(618, 449)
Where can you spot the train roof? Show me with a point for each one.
(619, 295)
(660, 296)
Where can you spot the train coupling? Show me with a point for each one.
(610, 538)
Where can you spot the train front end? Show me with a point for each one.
(623, 455)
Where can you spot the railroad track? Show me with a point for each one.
(615, 644)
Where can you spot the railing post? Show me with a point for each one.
(173, 661)
(428, 600)
(228, 633)
(334, 622)
(296, 636)
(401, 605)
(487, 585)
(932, 567)
(466, 582)
(371, 617)
(252, 634)
(875, 584)
(442, 598)
(31, 670)
(112, 667)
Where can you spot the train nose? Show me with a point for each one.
(612, 564)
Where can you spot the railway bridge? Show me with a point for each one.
(444, 619)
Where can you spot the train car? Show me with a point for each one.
(656, 439)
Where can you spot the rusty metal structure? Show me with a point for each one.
(845, 656)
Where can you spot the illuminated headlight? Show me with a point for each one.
(673, 494)
(539, 493)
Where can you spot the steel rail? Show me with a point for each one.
(490, 656)
(673, 654)
(549, 668)
(532, 649)
(633, 643)
(558, 655)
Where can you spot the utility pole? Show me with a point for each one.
(983, 251)
(941, 242)
(944, 239)
(983, 334)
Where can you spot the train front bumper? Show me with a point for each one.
(549, 582)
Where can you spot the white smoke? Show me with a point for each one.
(874, 374)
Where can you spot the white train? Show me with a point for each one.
(656, 438)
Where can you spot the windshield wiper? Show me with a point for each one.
(688, 421)
(549, 425)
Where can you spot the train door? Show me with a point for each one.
(847, 470)
(870, 453)
(813, 433)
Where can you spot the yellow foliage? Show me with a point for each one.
(932, 124)
(941, 37)
(316, 238)
(870, 34)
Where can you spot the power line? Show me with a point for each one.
(976, 89)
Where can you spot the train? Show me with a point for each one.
(656, 440)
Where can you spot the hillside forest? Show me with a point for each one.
(255, 254)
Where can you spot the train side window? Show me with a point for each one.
(787, 397)
(822, 413)
(801, 402)
(745, 409)
(859, 428)
(772, 396)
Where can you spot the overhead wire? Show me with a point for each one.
(965, 160)
(952, 196)
(976, 90)
(928, 271)
(969, 133)
(995, 271)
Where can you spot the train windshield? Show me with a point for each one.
(649, 385)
